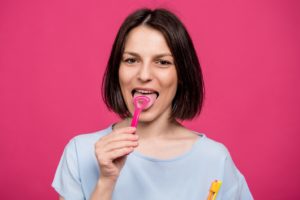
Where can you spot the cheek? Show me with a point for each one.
(170, 81)
(123, 81)
(126, 74)
(122, 76)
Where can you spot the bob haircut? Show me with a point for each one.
(189, 97)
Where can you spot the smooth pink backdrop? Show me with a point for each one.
(53, 54)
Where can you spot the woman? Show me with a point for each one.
(153, 56)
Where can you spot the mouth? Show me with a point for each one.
(152, 94)
(136, 92)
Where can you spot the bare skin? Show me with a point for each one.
(162, 143)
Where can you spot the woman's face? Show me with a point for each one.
(147, 68)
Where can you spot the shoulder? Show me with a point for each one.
(83, 141)
(91, 137)
(218, 158)
(78, 155)
(206, 146)
(213, 149)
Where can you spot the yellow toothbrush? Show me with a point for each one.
(214, 189)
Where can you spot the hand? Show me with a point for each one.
(112, 149)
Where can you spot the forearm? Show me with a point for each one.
(103, 190)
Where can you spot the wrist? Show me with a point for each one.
(103, 189)
(107, 182)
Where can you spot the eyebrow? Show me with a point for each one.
(157, 55)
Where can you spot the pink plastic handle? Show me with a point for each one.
(136, 116)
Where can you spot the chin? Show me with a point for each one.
(147, 117)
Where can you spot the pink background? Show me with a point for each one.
(53, 54)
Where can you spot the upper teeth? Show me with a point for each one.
(144, 91)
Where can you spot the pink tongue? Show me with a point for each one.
(152, 98)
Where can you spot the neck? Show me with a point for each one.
(148, 130)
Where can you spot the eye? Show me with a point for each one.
(163, 62)
(130, 60)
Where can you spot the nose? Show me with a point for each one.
(144, 73)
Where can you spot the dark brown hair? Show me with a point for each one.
(189, 97)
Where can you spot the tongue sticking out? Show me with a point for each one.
(141, 102)
(151, 97)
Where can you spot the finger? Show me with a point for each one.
(120, 141)
(122, 137)
(116, 141)
(124, 134)
(120, 144)
(119, 153)
(124, 130)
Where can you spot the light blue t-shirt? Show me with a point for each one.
(186, 177)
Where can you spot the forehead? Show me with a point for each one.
(145, 40)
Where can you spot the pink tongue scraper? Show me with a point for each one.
(140, 103)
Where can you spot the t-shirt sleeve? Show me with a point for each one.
(234, 184)
(67, 180)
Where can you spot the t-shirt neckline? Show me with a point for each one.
(176, 158)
